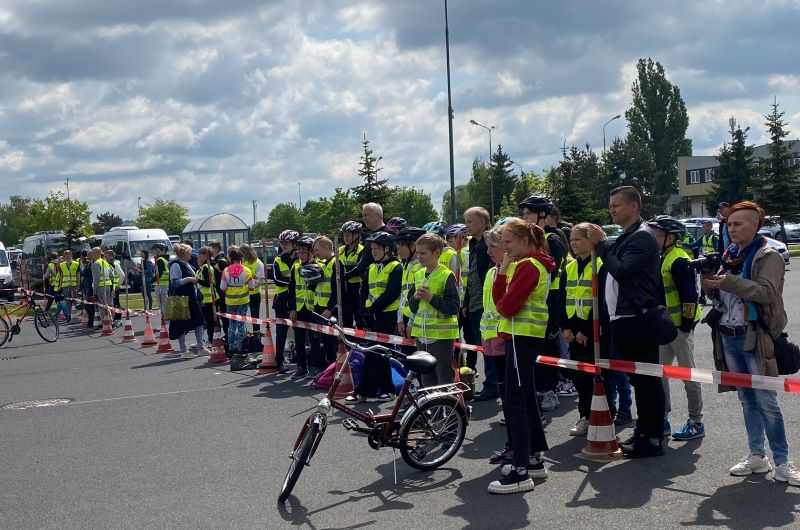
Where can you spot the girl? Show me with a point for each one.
(256, 269)
(236, 283)
(205, 279)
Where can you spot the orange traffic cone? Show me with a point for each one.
(164, 344)
(217, 346)
(84, 318)
(601, 439)
(98, 317)
(269, 364)
(108, 331)
(346, 385)
(149, 337)
(127, 332)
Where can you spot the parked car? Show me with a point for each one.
(772, 228)
(7, 283)
(781, 248)
(613, 232)
(38, 247)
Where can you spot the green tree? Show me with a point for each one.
(167, 215)
(573, 195)
(463, 201)
(374, 188)
(56, 212)
(779, 179)
(105, 222)
(284, 216)
(412, 205)
(733, 178)
(344, 207)
(259, 231)
(495, 181)
(317, 216)
(629, 162)
(16, 219)
(658, 118)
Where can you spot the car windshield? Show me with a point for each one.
(3, 258)
(59, 245)
(147, 244)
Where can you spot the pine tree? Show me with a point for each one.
(374, 188)
(733, 178)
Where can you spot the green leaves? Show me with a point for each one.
(168, 215)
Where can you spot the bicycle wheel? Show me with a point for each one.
(299, 458)
(433, 434)
(5, 331)
(46, 325)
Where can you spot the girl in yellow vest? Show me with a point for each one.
(236, 283)
(434, 302)
(520, 293)
(205, 284)
(350, 255)
(256, 268)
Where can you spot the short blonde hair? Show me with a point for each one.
(324, 241)
(432, 242)
(494, 237)
(248, 254)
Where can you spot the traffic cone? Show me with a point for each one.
(269, 364)
(98, 318)
(164, 344)
(84, 318)
(108, 331)
(346, 385)
(149, 337)
(127, 332)
(217, 346)
(601, 439)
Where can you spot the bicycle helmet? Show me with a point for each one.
(311, 273)
(353, 227)
(159, 246)
(289, 235)
(434, 227)
(305, 241)
(504, 221)
(395, 224)
(668, 224)
(410, 234)
(384, 239)
(534, 203)
(458, 229)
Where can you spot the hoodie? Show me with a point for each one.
(526, 277)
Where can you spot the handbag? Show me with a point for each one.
(660, 325)
(787, 353)
(177, 308)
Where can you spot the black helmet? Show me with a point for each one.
(384, 239)
(534, 203)
(395, 224)
(311, 273)
(159, 246)
(668, 224)
(354, 227)
(289, 235)
(305, 241)
(410, 234)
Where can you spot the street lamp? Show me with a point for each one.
(604, 130)
(521, 169)
(491, 177)
(450, 119)
(139, 206)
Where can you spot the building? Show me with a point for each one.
(696, 174)
(226, 228)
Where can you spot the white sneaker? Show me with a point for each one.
(550, 401)
(751, 464)
(188, 355)
(581, 428)
(787, 473)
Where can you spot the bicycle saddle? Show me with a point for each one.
(420, 362)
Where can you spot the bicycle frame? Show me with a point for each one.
(28, 304)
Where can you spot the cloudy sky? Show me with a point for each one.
(218, 103)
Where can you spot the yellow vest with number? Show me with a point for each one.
(409, 270)
(285, 271)
(164, 278)
(531, 320)
(578, 297)
(304, 297)
(490, 318)
(252, 267)
(238, 291)
(69, 274)
(377, 282)
(351, 260)
(106, 273)
(205, 291)
(673, 298)
(323, 293)
(428, 322)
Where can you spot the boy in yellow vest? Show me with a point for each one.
(301, 302)
(324, 346)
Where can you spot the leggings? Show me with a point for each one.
(208, 317)
(255, 308)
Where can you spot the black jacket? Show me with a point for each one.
(633, 260)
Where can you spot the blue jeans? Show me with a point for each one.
(762, 414)
(147, 293)
(621, 386)
(236, 329)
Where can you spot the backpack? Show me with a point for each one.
(324, 380)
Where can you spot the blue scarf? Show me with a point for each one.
(739, 261)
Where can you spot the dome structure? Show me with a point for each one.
(226, 228)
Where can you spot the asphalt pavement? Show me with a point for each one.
(148, 441)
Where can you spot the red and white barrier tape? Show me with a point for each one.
(133, 312)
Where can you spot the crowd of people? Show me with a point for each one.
(520, 287)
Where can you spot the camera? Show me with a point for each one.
(709, 263)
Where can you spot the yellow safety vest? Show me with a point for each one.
(238, 291)
(409, 270)
(490, 318)
(350, 260)
(707, 244)
(377, 282)
(447, 256)
(52, 270)
(579, 290)
(285, 273)
(673, 298)
(107, 273)
(252, 267)
(164, 278)
(205, 291)
(464, 270)
(428, 322)
(114, 277)
(324, 292)
(531, 321)
(304, 296)
(69, 274)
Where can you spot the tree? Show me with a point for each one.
(495, 180)
(412, 205)
(165, 214)
(56, 212)
(16, 219)
(578, 169)
(463, 201)
(779, 179)
(259, 231)
(344, 207)
(733, 178)
(105, 222)
(629, 162)
(374, 188)
(317, 216)
(658, 118)
(284, 216)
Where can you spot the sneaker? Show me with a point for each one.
(566, 389)
(511, 483)
(300, 373)
(550, 401)
(352, 398)
(690, 431)
(204, 351)
(502, 457)
(283, 369)
(486, 396)
(536, 470)
(581, 428)
(642, 448)
(502, 421)
(385, 397)
(622, 419)
(787, 473)
(751, 464)
(188, 355)
(667, 428)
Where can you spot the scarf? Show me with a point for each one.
(739, 261)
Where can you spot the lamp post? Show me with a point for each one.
(521, 169)
(491, 177)
(604, 130)
(450, 119)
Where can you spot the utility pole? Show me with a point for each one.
(450, 120)
(254, 212)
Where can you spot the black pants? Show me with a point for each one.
(89, 308)
(350, 312)
(208, 318)
(470, 335)
(323, 346)
(51, 294)
(117, 315)
(547, 376)
(255, 308)
(281, 330)
(635, 342)
(522, 409)
(222, 307)
(304, 315)
(376, 374)
(500, 370)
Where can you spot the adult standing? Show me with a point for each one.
(117, 278)
(161, 275)
(50, 279)
(183, 282)
(70, 278)
(372, 215)
(256, 267)
(146, 269)
(350, 255)
(87, 287)
(219, 262)
(101, 280)
(632, 287)
(749, 292)
(724, 238)
(281, 276)
(205, 282)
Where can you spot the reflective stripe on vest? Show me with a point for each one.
(351, 260)
(237, 292)
(304, 297)
(69, 275)
(377, 282)
(578, 298)
(205, 291)
(531, 320)
(323, 293)
(428, 322)
(286, 273)
(409, 270)
(252, 267)
(107, 273)
(446, 257)
(490, 318)
(672, 297)
(164, 278)
(114, 277)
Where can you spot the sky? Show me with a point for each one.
(217, 104)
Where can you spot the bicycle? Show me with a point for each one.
(428, 433)
(45, 323)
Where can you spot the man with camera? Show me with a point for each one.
(748, 314)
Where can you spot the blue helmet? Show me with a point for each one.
(435, 227)
(504, 220)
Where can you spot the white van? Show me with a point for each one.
(128, 241)
(6, 276)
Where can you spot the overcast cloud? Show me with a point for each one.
(215, 104)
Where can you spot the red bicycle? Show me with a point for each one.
(428, 432)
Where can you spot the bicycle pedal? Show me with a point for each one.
(350, 424)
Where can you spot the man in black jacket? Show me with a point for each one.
(632, 287)
(724, 240)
